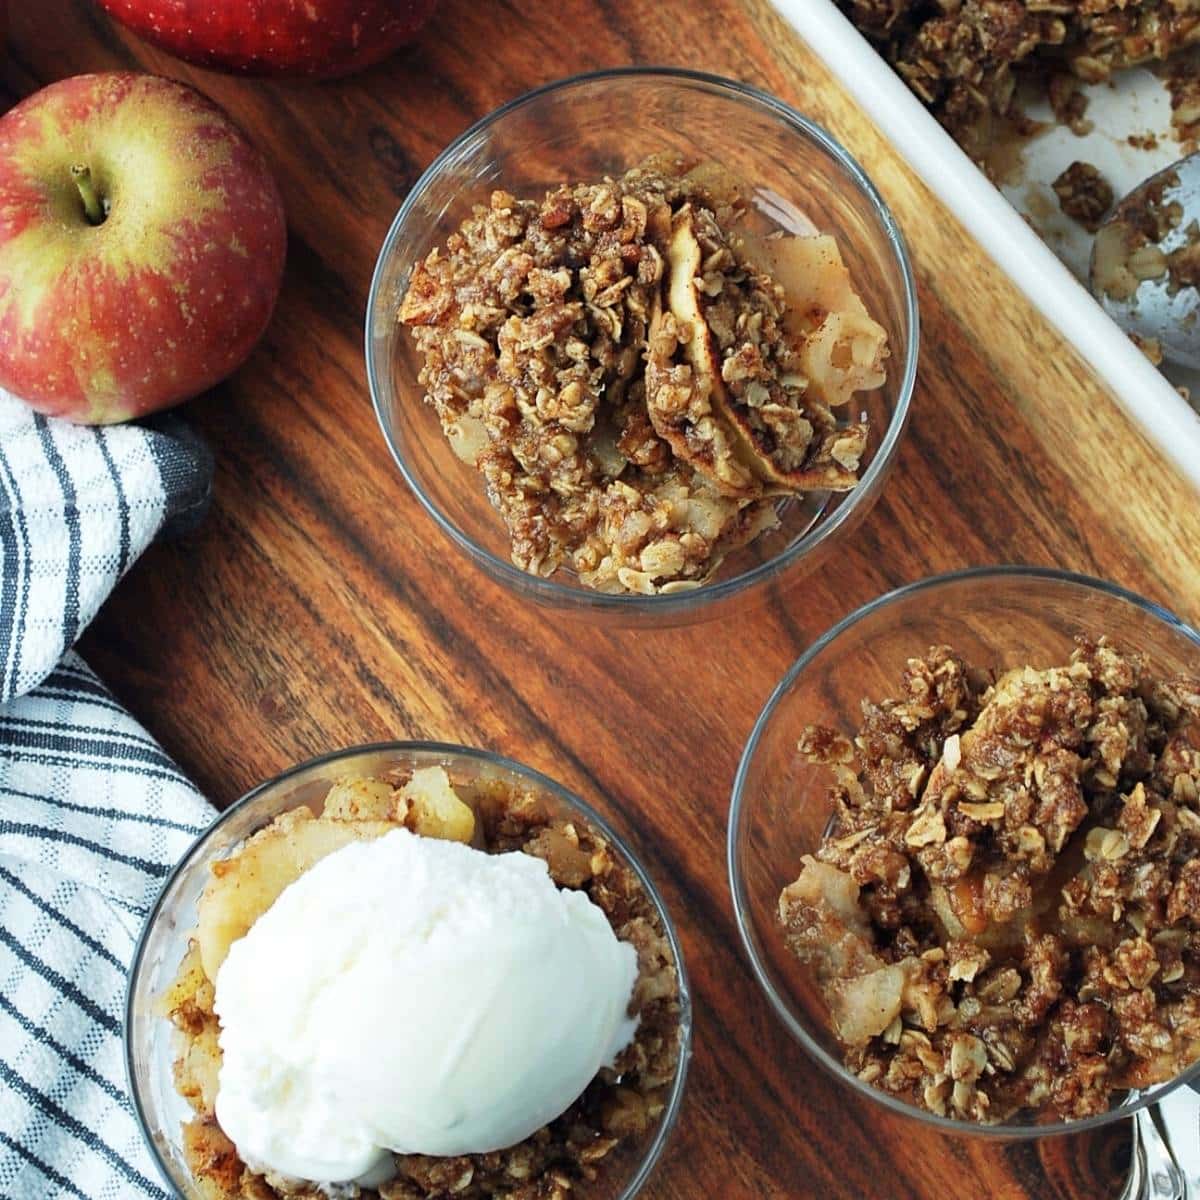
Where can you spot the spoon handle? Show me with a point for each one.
(1154, 1173)
(1178, 1116)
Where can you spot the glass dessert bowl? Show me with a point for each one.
(643, 466)
(830, 796)
(420, 813)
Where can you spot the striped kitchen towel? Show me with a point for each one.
(77, 506)
(93, 813)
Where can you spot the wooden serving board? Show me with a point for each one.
(319, 607)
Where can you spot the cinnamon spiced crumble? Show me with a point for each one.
(964, 58)
(1004, 914)
(636, 377)
(621, 1106)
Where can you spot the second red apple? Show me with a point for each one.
(318, 38)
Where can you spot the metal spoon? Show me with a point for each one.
(1142, 268)
(1154, 1174)
(1166, 1149)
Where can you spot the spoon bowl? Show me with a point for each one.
(1146, 262)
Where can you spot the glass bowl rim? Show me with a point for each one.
(739, 895)
(654, 1151)
(547, 589)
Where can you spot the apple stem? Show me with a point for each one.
(94, 208)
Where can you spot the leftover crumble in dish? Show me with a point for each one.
(963, 58)
(1003, 914)
(620, 1105)
(637, 379)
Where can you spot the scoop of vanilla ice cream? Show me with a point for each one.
(418, 996)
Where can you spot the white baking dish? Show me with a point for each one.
(988, 215)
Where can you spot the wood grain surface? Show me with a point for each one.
(318, 606)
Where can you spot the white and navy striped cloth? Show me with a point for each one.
(93, 813)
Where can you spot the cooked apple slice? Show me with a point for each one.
(843, 348)
(187, 987)
(812, 274)
(243, 887)
(435, 809)
(865, 1006)
(197, 1071)
(844, 356)
(360, 798)
(213, 1158)
(672, 420)
(713, 451)
(825, 924)
(720, 187)
(841, 351)
(740, 465)
(684, 259)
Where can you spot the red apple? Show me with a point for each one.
(316, 38)
(142, 240)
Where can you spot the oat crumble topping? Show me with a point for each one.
(963, 58)
(1084, 195)
(637, 378)
(1004, 915)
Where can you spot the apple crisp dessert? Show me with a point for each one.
(636, 376)
(963, 59)
(620, 1106)
(1004, 913)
